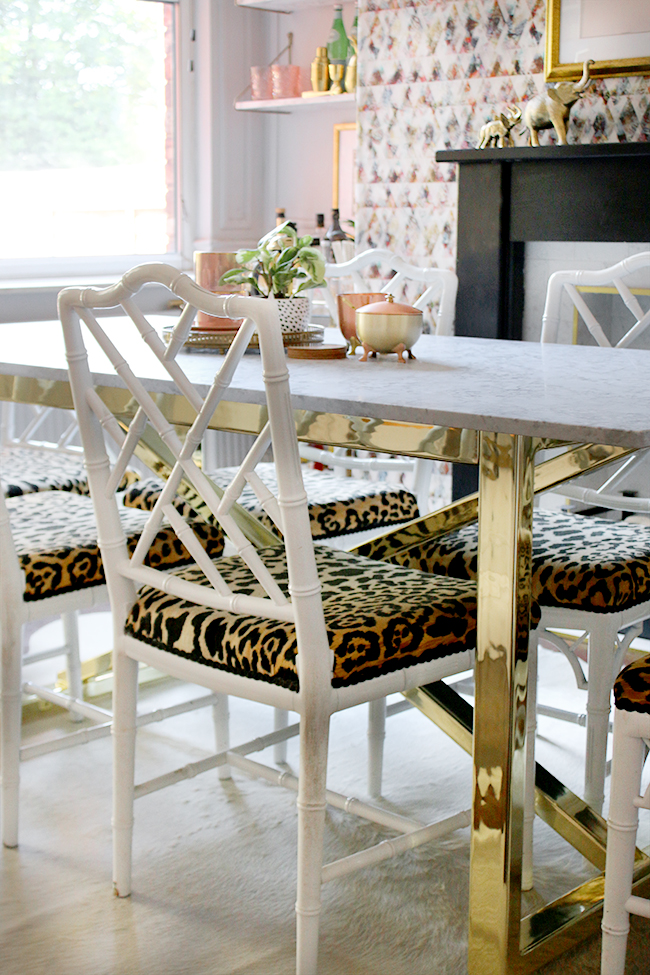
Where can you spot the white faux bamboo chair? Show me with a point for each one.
(50, 565)
(29, 463)
(280, 626)
(631, 743)
(440, 285)
(608, 629)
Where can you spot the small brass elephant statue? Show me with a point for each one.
(551, 108)
(497, 130)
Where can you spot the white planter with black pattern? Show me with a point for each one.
(293, 313)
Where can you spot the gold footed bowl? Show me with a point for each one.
(388, 326)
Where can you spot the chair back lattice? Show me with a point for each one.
(440, 286)
(288, 510)
(570, 282)
(25, 426)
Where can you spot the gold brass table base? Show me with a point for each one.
(554, 928)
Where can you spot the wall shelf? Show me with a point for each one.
(287, 105)
(283, 6)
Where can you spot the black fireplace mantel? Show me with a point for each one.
(552, 193)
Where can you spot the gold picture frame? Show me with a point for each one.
(343, 169)
(616, 66)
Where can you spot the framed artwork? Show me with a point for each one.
(615, 35)
(343, 170)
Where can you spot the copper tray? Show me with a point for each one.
(220, 339)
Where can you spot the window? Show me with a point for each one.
(89, 174)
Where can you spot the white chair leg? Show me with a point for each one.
(422, 484)
(602, 637)
(70, 621)
(280, 721)
(125, 700)
(311, 824)
(11, 724)
(210, 451)
(529, 787)
(221, 718)
(376, 738)
(627, 765)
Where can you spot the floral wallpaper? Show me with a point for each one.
(431, 72)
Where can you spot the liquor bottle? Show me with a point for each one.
(337, 52)
(335, 232)
(317, 233)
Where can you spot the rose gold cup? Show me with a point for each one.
(261, 84)
(209, 266)
(348, 304)
(285, 79)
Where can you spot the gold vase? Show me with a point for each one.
(336, 78)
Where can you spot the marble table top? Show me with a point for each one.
(564, 392)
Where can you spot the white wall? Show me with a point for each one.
(297, 148)
(543, 258)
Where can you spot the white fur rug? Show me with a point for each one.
(214, 863)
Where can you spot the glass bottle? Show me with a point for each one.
(337, 52)
(318, 233)
(335, 232)
(279, 216)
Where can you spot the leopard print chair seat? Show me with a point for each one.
(24, 470)
(420, 620)
(27, 470)
(337, 505)
(590, 563)
(55, 538)
(632, 687)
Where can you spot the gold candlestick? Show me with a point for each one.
(336, 78)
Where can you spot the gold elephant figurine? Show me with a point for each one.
(497, 132)
(551, 108)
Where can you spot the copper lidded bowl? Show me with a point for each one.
(388, 326)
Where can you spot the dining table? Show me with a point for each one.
(492, 403)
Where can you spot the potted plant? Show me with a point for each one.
(281, 267)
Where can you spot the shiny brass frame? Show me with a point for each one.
(336, 161)
(501, 942)
(565, 922)
(555, 71)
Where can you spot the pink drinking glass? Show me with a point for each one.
(285, 80)
(261, 85)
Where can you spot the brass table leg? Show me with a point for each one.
(555, 927)
(504, 561)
